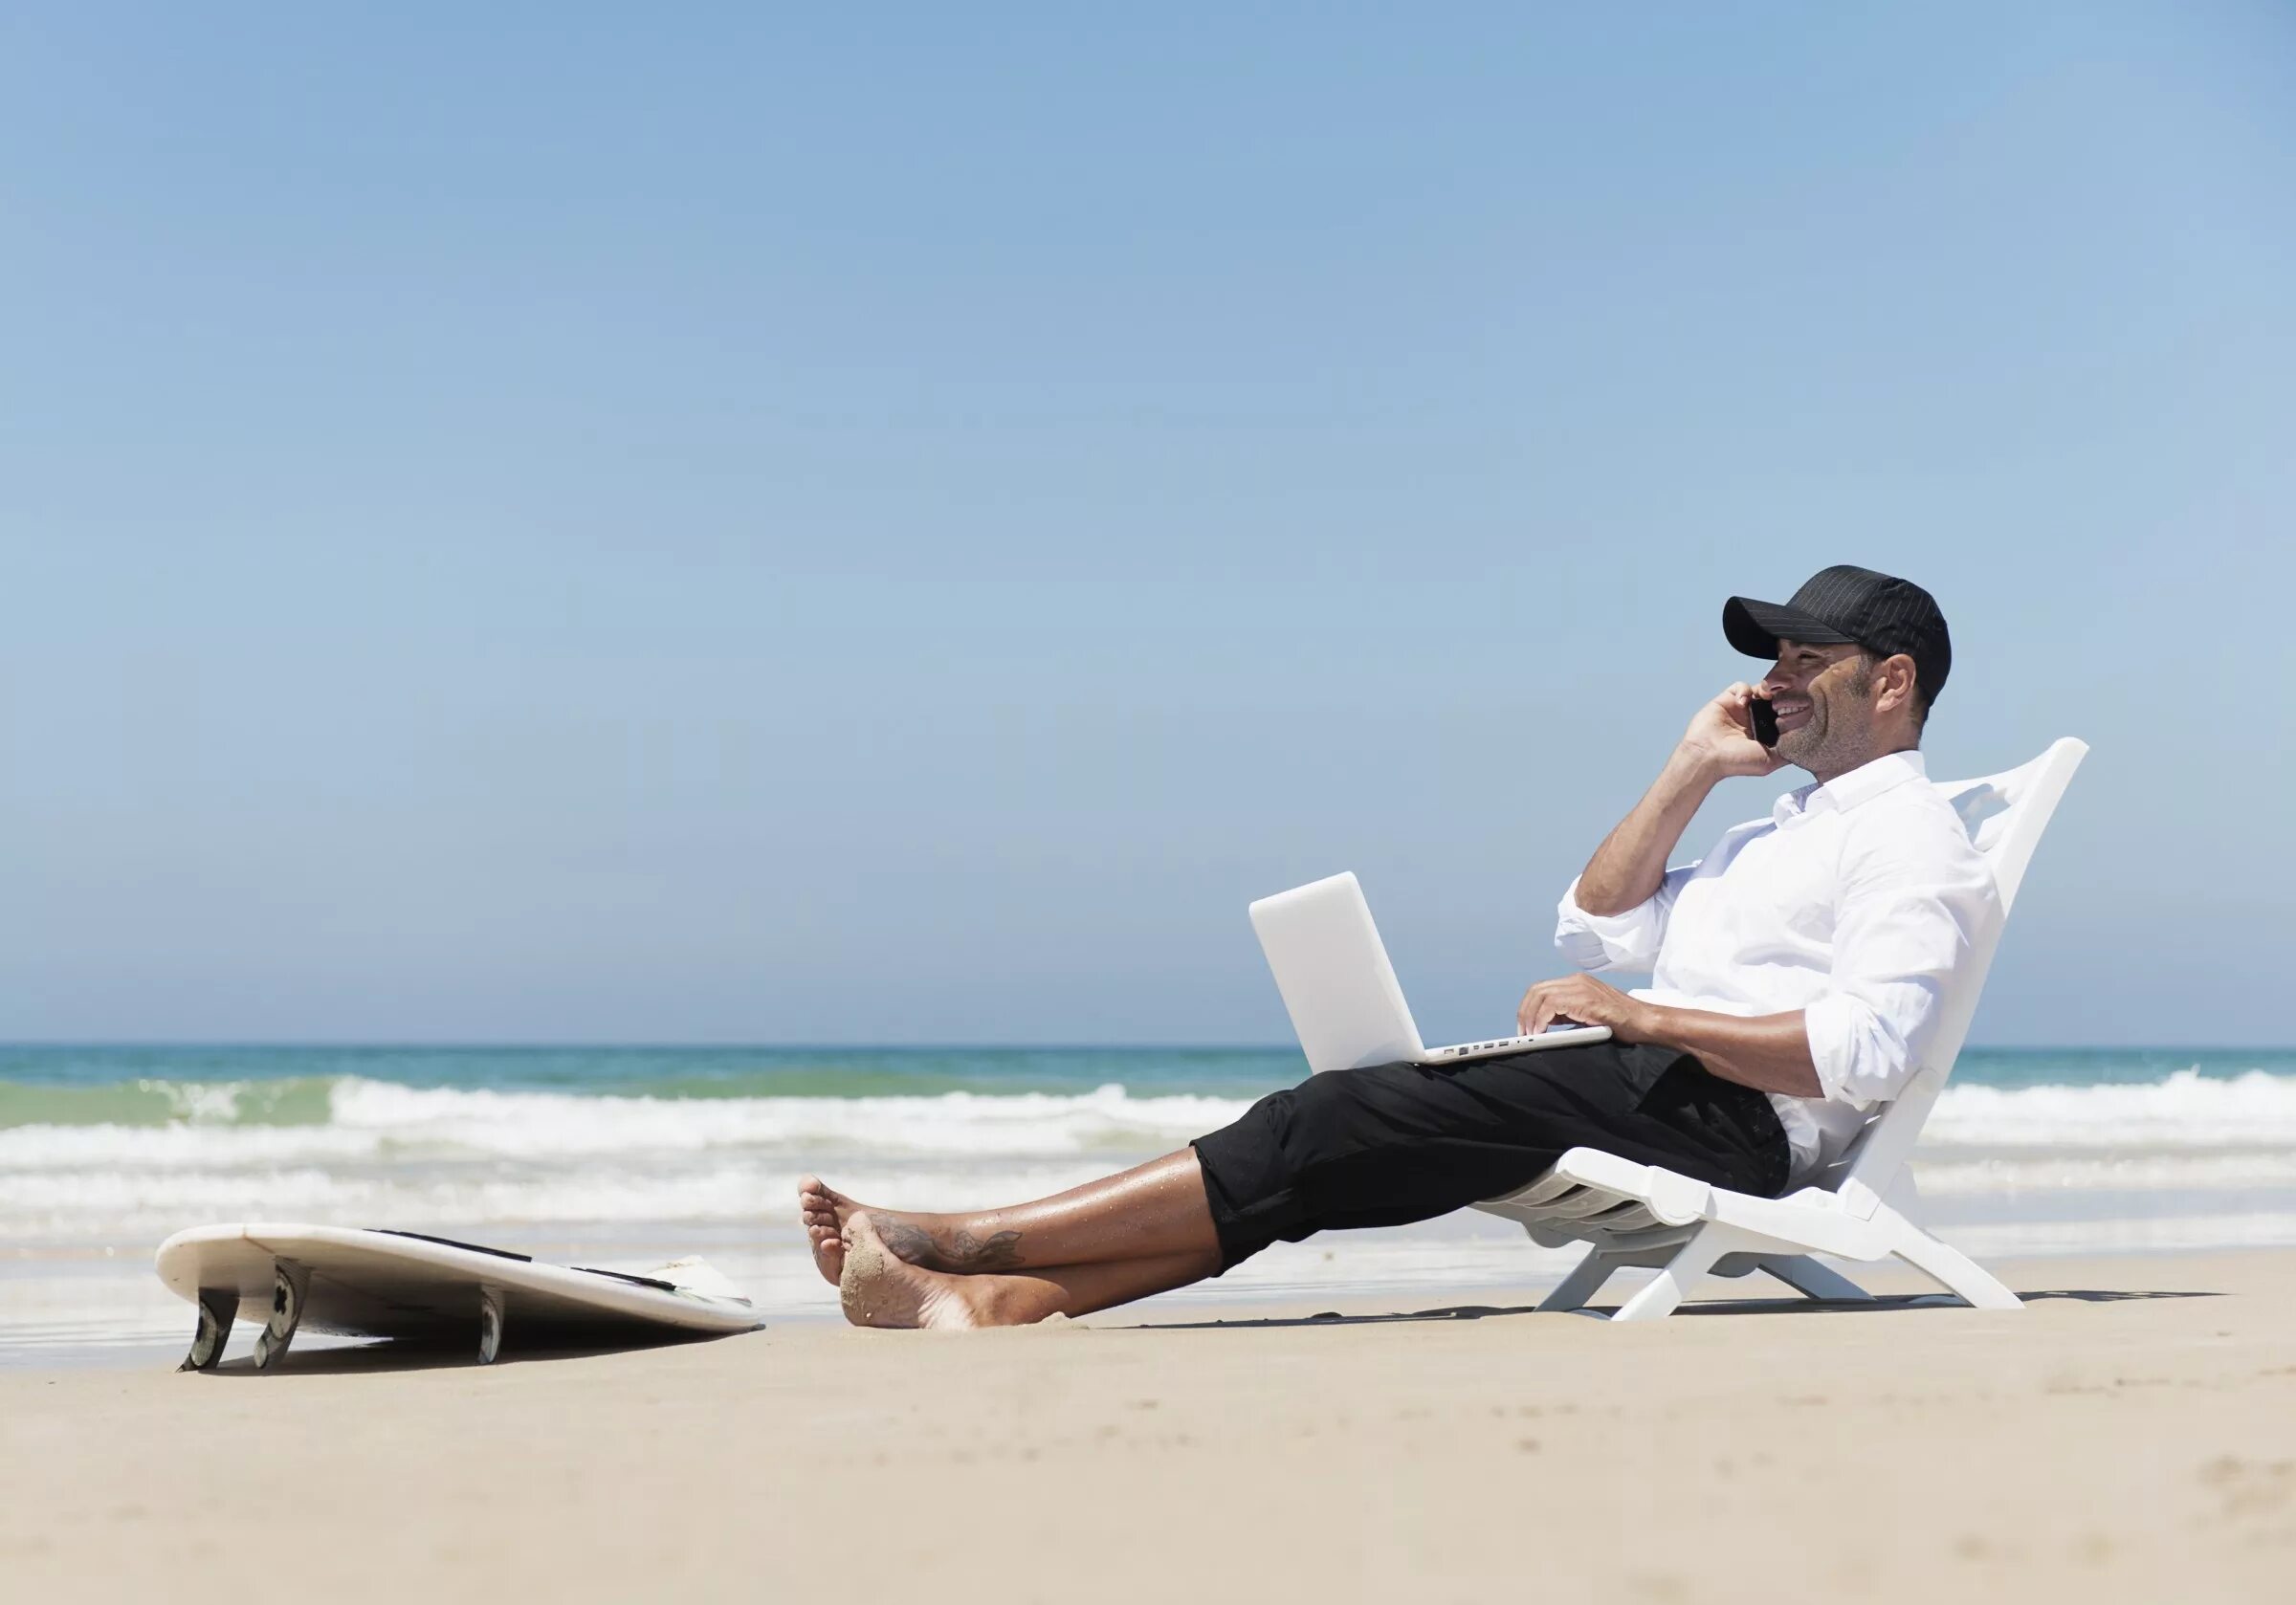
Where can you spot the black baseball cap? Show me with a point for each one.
(1843, 604)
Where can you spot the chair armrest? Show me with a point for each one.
(1675, 1200)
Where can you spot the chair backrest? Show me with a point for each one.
(2004, 815)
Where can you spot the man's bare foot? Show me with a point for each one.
(879, 1288)
(824, 1212)
(936, 1241)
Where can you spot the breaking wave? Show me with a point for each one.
(317, 1121)
(136, 1160)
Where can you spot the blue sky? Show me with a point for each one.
(741, 524)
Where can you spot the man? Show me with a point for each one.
(1799, 971)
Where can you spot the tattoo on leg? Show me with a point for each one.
(996, 1253)
(913, 1244)
(963, 1252)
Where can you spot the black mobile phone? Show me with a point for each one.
(1764, 717)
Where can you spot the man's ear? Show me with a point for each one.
(1897, 676)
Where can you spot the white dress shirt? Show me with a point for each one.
(1852, 902)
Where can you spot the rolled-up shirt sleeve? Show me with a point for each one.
(1910, 915)
(1619, 941)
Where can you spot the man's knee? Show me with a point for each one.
(1338, 1109)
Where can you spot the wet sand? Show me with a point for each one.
(2132, 1435)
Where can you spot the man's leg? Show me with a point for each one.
(1403, 1134)
(1149, 1212)
(1163, 1207)
(1377, 1147)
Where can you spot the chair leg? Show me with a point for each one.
(1585, 1281)
(1693, 1260)
(1805, 1275)
(1956, 1271)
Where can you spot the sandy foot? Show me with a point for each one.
(879, 1288)
(824, 1212)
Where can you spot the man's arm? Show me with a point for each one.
(1913, 908)
(1630, 865)
(1769, 1052)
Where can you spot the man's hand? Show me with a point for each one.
(1721, 737)
(1588, 1001)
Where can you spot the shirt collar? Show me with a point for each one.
(1862, 784)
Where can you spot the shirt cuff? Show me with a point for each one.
(1627, 940)
(1833, 1024)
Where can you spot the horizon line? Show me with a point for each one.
(730, 1044)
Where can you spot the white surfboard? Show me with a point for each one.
(385, 1283)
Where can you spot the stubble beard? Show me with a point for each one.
(1812, 746)
(1820, 746)
(1799, 746)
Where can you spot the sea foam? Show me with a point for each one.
(375, 1120)
(2184, 1110)
(373, 1152)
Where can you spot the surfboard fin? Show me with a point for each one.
(218, 1308)
(490, 1325)
(287, 1285)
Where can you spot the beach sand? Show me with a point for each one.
(2132, 1435)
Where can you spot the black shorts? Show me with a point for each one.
(1398, 1143)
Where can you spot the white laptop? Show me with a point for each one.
(1341, 992)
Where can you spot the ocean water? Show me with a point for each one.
(637, 1154)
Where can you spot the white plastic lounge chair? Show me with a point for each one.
(1642, 1215)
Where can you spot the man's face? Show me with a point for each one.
(1825, 701)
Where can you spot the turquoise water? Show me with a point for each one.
(112, 1144)
(134, 1083)
(623, 1155)
(153, 1084)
